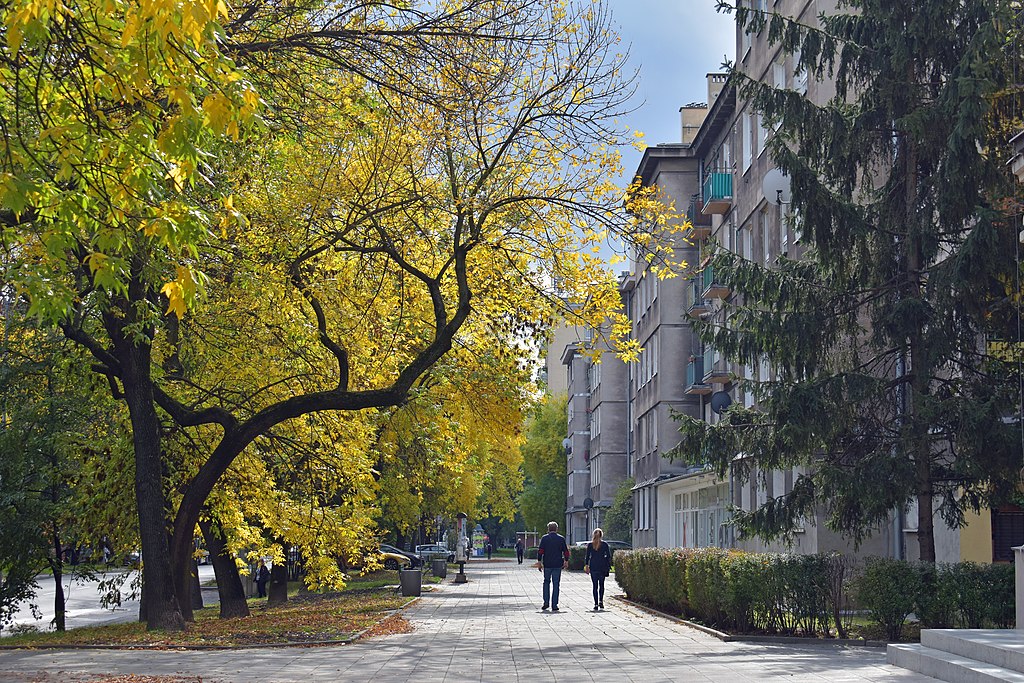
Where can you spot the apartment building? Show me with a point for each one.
(597, 432)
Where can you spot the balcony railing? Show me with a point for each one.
(713, 289)
(717, 369)
(699, 221)
(695, 377)
(717, 193)
(698, 304)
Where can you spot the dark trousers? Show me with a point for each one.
(598, 582)
(519, 556)
(261, 588)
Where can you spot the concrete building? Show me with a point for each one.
(596, 443)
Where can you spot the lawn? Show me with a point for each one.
(306, 618)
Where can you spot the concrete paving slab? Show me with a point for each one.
(492, 629)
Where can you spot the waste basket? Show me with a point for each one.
(439, 567)
(411, 581)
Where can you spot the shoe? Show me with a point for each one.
(595, 607)
(545, 606)
(554, 609)
(602, 605)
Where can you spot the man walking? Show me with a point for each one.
(552, 558)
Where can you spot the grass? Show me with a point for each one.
(305, 618)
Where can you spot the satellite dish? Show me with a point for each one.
(775, 187)
(588, 503)
(720, 400)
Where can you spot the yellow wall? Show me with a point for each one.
(976, 537)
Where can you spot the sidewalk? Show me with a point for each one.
(492, 629)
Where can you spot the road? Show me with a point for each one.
(83, 603)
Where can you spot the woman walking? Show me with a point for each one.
(598, 564)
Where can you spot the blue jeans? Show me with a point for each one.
(552, 575)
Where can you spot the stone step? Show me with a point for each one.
(1003, 648)
(947, 666)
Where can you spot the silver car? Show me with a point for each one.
(433, 550)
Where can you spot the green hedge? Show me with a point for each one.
(577, 556)
(806, 594)
(531, 553)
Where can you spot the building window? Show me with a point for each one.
(766, 248)
(595, 472)
(799, 74)
(748, 142)
(595, 423)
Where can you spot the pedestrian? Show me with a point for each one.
(552, 558)
(262, 576)
(489, 548)
(519, 550)
(598, 564)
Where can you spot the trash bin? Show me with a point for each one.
(411, 581)
(439, 566)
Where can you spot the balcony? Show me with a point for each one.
(700, 222)
(712, 288)
(695, 377)
(698, 304)
(717, 193)
(717, 372)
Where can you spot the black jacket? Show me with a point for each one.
(599, 559)
(552, 551)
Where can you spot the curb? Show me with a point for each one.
(183, 648)
(762, 640)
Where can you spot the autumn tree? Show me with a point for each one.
(883, 389)
(434, 197)
(543, 498)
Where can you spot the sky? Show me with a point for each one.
(674, 43)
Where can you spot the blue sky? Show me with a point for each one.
(674, 43)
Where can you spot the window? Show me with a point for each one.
(595, 423)
(748, 245)
(746, 38)
(766, 247)
(595, 472)
(748, 150)
(725, 159)
(762, 135)
(799, 74)
(783, 236)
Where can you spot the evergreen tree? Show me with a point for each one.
(884, 390)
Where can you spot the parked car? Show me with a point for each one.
(431, 550)
(395, 560)
(614, 545)
(413, 559)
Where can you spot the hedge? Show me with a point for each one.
(806, 594)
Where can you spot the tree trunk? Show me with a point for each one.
(229, 584)
(59, 600)
(162, 609)
(277, 591)
(197, 588)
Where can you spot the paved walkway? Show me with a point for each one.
(492, 629)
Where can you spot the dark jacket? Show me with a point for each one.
(552, 551)
(599, 560)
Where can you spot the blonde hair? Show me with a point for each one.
(597, 532)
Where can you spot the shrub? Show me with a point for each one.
(745, 575)
(999, 595)
(577, 556)
(706, 585)
(654, 577)
(936, 604)
(889, 590)
(531, 553)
